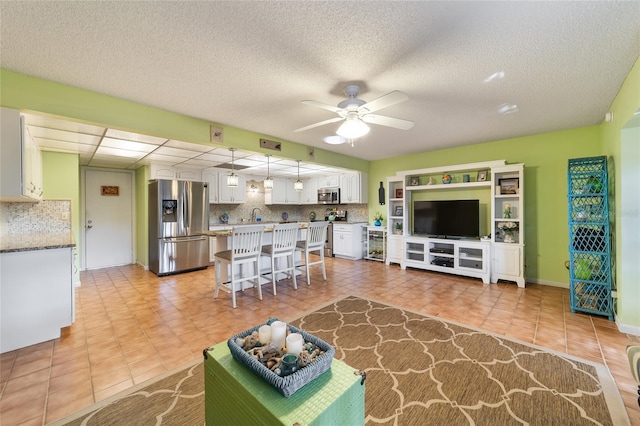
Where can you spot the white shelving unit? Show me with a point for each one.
(461, 257)
(395, 222)
(491, 259)
(508, 209)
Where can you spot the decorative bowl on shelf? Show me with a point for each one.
(446, 178)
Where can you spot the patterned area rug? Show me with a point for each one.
(420, 370)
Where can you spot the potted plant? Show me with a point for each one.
(398, 228)
(377, 219)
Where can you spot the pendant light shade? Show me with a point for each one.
(232, 179)
(268, 182)
(298, 184)
(353, 127)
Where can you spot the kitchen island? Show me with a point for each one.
(224, 241)
(37, 292)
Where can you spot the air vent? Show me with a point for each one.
(228, 166)
(267, 144)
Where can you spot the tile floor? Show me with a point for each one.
(131, 326)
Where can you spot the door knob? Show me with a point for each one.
(89, 224)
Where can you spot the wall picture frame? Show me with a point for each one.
(398, 211)
(509, 186)
(482, 176)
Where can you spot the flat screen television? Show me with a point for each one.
(447, 218)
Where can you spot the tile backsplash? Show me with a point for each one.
(44, 216)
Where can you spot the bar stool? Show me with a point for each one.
(283, 248)
(246, 245)
(316, 237)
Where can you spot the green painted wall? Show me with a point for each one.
(624, 105)
(545, 158)
(61, 181)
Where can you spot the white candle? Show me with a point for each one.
(294, 343)
(264, 334)
(278, 333)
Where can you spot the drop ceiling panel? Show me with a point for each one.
(127, 145)
(188, 146)
(136, 137)
(63, 135)
(63, 146)
(61, 124)
(176, 152)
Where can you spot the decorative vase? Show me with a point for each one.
(508, 237)
(377, 223)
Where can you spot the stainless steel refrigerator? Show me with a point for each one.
(178, 214)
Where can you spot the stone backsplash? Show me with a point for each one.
(241, 213)
(44, 216)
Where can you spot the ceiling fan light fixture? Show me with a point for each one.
(232, 179)
(353, 127)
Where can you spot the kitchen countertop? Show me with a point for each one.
(268, 227)
(36, 241)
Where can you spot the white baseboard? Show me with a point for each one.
(549, 283)
(146, 267)
(627, 329)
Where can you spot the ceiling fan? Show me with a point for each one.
(356, 113)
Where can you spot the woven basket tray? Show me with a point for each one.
(287, 385)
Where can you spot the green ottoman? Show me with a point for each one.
(236, 396)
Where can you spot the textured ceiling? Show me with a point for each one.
(250, 64)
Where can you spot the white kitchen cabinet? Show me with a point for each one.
(348, 241)
(193, 175)
(354, 188)
(211, 176)
(329, 181)
(20, 160)
(231, 194)
(36, 296)
(309, 193)
(283, 192)
(157, 171)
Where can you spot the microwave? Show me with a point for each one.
(329, 196)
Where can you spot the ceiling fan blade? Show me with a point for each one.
(323, 106)
(384, 101)
(382, 120)
(322, 123)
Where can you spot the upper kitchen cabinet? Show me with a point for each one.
(329, 181)
(231, 194)
(180, 173)
(309, 194)
(211, 176)
(283, 192)
(21, 171)
(354, 188)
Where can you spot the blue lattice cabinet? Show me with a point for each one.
(589, 236)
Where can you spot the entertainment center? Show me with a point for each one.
(437, 216)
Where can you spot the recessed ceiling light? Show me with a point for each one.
(495, 76)
(335, 139)
(507, 108)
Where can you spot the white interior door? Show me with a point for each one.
(108, 218)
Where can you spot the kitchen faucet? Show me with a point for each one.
(253, 214)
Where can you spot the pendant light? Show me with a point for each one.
(298, 185)
(268, 182)
(232, 179)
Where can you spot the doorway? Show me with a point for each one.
(108, 217)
